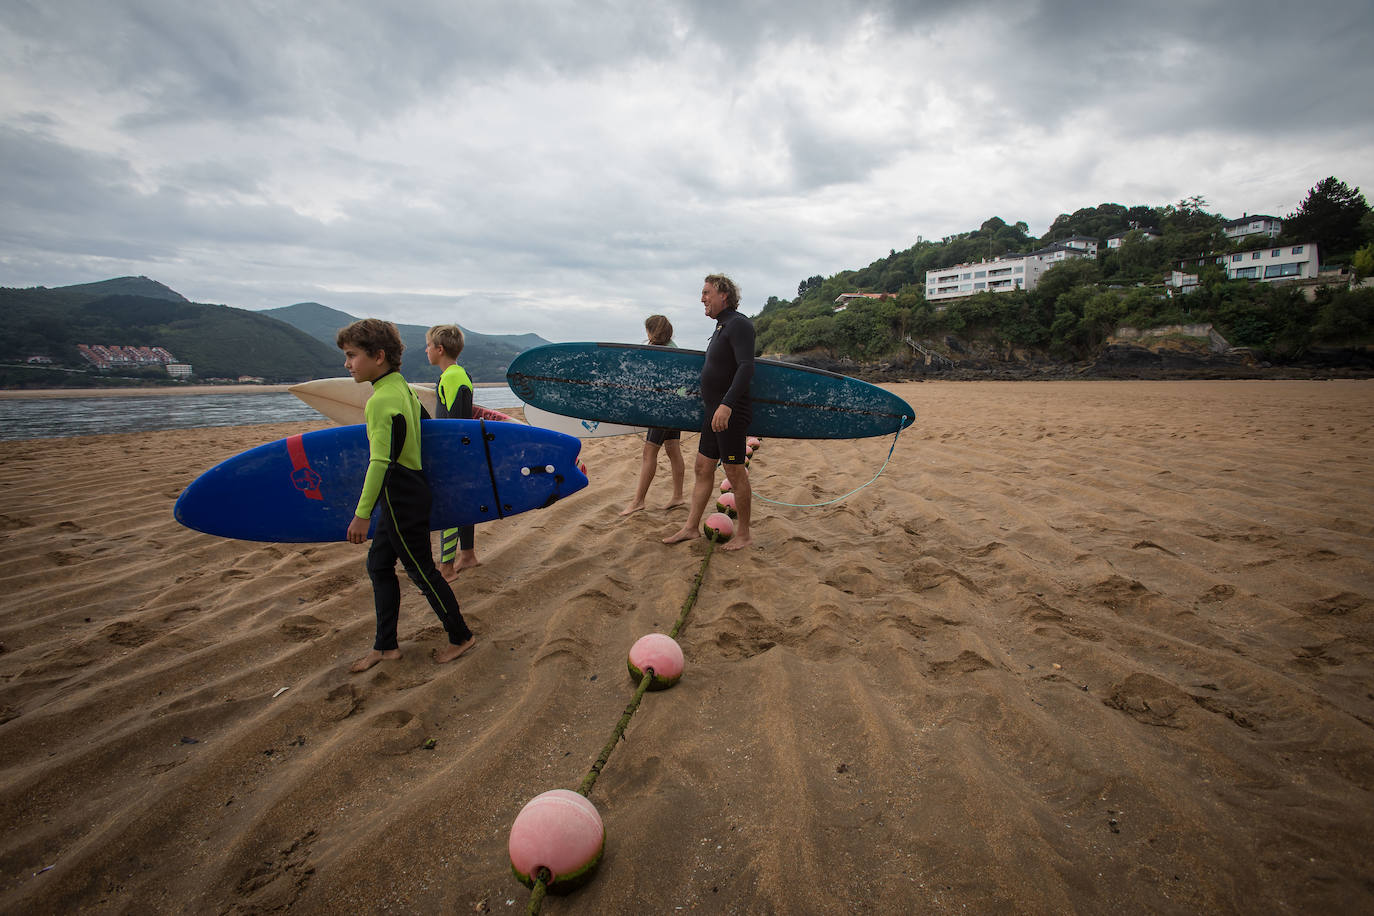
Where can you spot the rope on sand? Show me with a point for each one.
(828, 502)
(541, 887)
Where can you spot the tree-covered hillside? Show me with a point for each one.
(218, 341)
(1078, 303)
(289, 344)
(485, 356)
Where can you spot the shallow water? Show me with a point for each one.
(41, 418)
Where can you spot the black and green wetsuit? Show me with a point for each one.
(454, 397)
(396, 482)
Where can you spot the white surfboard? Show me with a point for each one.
(342, 400)
(582, 429)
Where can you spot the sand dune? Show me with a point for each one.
(1083, 647)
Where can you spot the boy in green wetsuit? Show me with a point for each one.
(443, 344)
(395, 481)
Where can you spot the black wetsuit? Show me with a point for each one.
(725, 378)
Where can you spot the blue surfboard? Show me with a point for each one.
(639, 385)
(305, 488)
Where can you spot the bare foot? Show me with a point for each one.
(674, 504)
(685, 534)
(632, 508)
(450, 652)
(464, 562)
(372, 658)
(737, 542)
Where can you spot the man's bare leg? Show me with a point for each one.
(705, 471)
(372, 658)
(738, 475)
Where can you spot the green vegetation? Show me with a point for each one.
(281, 345)
(1079, 303)
(219, 341)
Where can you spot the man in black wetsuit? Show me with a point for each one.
(725, 379)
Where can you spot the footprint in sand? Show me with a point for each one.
(396, 732)
(342, 702)
(302, 628)
(966, 662)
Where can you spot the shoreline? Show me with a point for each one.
(18, 393)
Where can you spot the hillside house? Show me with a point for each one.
(1075, 246)
(1253, 225)
(1116, 238)
(1280, 262)
(843, 299)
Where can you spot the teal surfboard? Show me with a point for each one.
(305, 488)
(639, 385)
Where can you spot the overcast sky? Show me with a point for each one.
(569, 168)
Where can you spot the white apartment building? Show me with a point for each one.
(1252, 225)
(1281, 262)
(999, 275)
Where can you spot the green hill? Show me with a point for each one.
(217, 340)
(1078, 303)
(485, 356)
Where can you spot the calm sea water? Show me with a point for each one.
(39, 418)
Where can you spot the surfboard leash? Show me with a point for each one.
(891, 449)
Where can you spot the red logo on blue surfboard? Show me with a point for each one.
(303, 476)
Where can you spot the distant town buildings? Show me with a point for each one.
(108, 357)
(1253, 225)
(104, 356)
(1023, 271)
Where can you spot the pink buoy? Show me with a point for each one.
(726, 504)
(753, 442)
(725, 485)
(718, 527)
(661, 653)
(748, 452)
(559, 831)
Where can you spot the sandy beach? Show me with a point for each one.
(1084, 647)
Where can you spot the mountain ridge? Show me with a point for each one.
(219, 341)
(485, 356)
